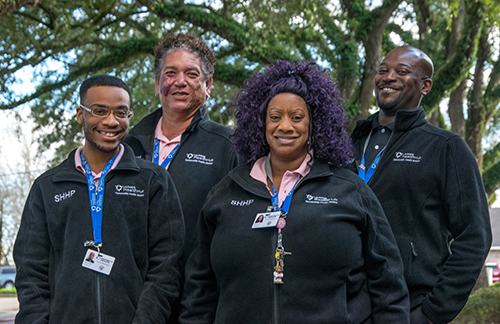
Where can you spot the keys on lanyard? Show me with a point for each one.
(280, 250)
(280, 253)
(156, 154)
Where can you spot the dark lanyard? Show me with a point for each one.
(96, 196)
(156, 154)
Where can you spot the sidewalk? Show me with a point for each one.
(8, 308)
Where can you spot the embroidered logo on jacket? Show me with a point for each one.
(406, 157)
(242, 203)
(128, 191)
(64, 196)
(199, 158)
(310, 199)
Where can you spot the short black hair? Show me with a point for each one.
(101, 80)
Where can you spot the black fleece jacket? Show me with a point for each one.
(203, 158)
(344, 266)
(142, 227)
(429, 185)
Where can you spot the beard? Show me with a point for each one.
(104, 149)
(388, 105)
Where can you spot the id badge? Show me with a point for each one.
(268, 219)
(99, 262)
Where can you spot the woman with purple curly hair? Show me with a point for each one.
(341, 263)
(328, 138)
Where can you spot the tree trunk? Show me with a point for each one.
(372, 42)
(456, 109)
(476, 119)
(457, 27)
(434, 117)
(423, 15)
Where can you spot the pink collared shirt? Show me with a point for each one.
(258, 172)
(166, 145)
(79, 166)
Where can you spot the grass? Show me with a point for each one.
(7, 291)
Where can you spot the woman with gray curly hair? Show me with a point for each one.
(293, 236)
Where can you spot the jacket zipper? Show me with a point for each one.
(276, 304)
(99, 309)
(276, 287)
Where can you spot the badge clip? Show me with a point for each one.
(93, 244)
(270, 208)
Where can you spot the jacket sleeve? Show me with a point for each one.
(200, 297)
(383, 265)
(31, 255)
(467, 219)
(166, 236)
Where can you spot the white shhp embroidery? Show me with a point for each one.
(242, 203)
(64, 196)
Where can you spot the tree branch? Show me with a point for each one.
(9, 6)
(118, 54)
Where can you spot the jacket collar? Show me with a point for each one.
(67, 171)
(405, 120)
(144, 130)
(241, 175)
(148, 124)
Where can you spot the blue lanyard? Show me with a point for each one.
(156, 154)
(96, 197)
(363, 173)
(286, 202)
(274, 197)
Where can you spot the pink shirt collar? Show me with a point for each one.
(258, 172)
(166, 145)
(79, 166)
(159, 135)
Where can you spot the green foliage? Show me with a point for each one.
(63, 42)
(483, 307)
(8, 291)
(451, 73)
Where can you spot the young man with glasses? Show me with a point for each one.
(101, 201)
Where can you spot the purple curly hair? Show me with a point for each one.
(328, 136)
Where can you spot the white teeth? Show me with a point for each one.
(108, 134)
(388, 89)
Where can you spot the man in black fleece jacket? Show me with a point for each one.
(102, 233)
(430, 187)
(180, 135)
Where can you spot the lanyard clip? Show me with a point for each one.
(271, 208)
(93, 244)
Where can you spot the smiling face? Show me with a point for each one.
(104, 135)
(181, 86)
(287, 128)
(402, 79)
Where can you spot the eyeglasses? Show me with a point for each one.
(103, 112)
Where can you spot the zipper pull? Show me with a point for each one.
(413, 251)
